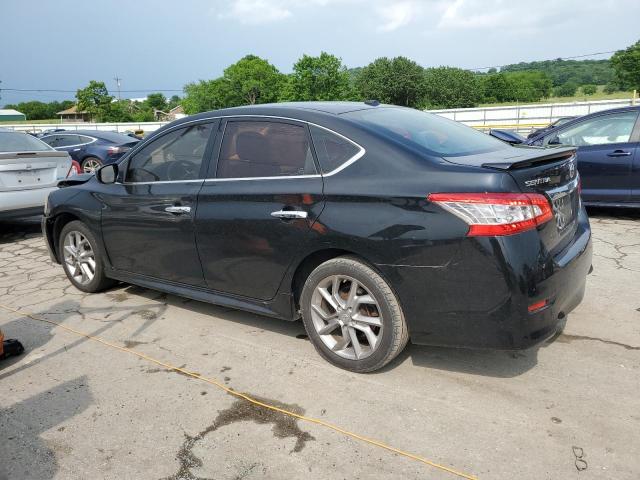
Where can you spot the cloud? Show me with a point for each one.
(256, 12)
(397, 14)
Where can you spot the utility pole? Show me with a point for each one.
(117, 79)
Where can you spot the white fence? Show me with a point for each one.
(525, 117)
(521, 118)
(113, 127)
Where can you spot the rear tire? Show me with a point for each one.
(81, 258)
(352, 315)
(90, 164)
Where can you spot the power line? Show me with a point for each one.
(52, 90)
(561, 58)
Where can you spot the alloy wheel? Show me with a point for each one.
(346, 317)
(90, 165)
(79, 257)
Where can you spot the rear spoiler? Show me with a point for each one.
(533, 156)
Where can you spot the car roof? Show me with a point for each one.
(632, 108)
(294, 110)
(101, 134)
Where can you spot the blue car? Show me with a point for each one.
(91, 148)
(608, 144)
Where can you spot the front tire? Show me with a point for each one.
(81, 258)
(352, 315)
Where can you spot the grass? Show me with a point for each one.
(578, 97)
(30, 122)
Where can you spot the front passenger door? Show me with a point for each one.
(607, 145)
(148, 219)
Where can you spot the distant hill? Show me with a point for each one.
(581, 72)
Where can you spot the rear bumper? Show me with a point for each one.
(480, 297)
(23, 203)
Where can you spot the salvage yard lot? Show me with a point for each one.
(71, 407)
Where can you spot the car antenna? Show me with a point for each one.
(372, 103)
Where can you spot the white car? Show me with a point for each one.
(29, 170)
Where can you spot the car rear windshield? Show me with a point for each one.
(21, 142)
(436, 135)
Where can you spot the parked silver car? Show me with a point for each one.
(29, 170)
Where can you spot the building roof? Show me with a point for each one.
(10, 111)
(70, 111)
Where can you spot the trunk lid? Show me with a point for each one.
(30, 170)
(549, 171)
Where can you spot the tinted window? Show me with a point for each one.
(176, 155)
(331, 149)
(265, 149)
(83, 139)
(20, 142)
(437, 135)
(67, 140)
(614, 128)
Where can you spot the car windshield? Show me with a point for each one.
(437, 135)
(21, 142)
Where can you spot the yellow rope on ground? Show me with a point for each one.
(230, 391)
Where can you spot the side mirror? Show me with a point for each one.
(107, 173)
(554, 141)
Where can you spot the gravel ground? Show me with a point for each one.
(74, 408)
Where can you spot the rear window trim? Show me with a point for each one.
(69, 135)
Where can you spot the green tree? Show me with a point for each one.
(398, 81)
(205, 95)
(449, 87)
(529, 86)
(174, 101)
(495, 88)
(252, 80)
(611, 87)
(95, 100)
(568, 89)
(589, 89)
(318, 78)
(626, 64)
(155, 101)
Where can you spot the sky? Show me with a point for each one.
(160, 45)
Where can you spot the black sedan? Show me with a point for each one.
(91, 148)
(373, 223)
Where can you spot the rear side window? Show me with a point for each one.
(265, 149)
(67, 140)
(434, 134)
(83, 139)
(174, 156)
(20, 142)
(332, 150)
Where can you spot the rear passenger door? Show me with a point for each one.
(258, 207)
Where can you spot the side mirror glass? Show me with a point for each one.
(107, 173)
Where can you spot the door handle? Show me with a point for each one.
(618, 153)
(178, 210)
(289, 214)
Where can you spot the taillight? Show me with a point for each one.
(491, 214)
(74, 169)
(116, 150)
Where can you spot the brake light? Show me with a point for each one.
(116, 150)
(534, 307)
(492, 214)
(74, 169)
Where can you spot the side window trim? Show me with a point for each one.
(211, 176)
(633, 137)
(206, 159)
